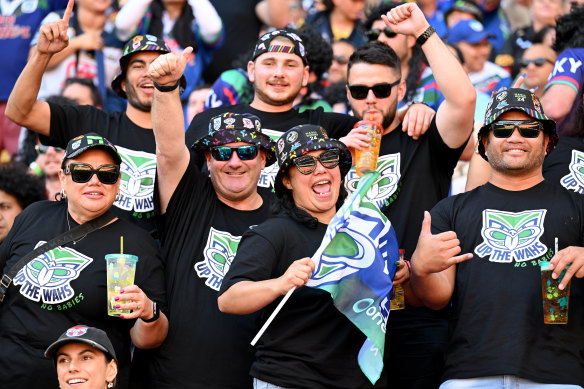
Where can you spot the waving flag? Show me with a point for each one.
(355, 264)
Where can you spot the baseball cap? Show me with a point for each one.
(82, 143)
(233, 127)
(516, 99)
(299, 141)
(140, 43)
(83, 334)
(263, 45)
(469, 31)
(467, 6)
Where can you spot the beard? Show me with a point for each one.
(388, 116)
(134, 101)
(498, 162)
(282, 100)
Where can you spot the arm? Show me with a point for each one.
(479, 172)
(455, 115)
(246, 297)
(557, 100)
(129, 16)
(23, 107)
(433, 265)
(208, 20)
(273, 12)
(168, 124)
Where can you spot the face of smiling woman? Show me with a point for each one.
(81, 366)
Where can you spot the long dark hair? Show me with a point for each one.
(182, 31)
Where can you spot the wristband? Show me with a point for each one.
(155, 312)
(168, 88)
(409, 265)
(425, 35)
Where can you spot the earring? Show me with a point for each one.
(118, 197)
(63, 194)
(110, 384)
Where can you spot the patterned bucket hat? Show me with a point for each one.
(517, 99)
(233, 127)
(140, 43)
(263, 45)
(301, 140)
(82, 143)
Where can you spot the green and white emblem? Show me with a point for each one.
(218, 254)
(388, 167)
(137, 185)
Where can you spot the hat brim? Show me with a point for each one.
(52, 350)
(345, 161)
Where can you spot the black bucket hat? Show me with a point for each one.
(516, 99)
(263, 45)
(83, 334)
(140, 43)
(82, 143)
(301, 140)
(234, 127)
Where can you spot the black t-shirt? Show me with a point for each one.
(200, 234)
(310, 343)
(497, 324)
(565, 164)
(64, 287)
(273, 124)
(135, 144)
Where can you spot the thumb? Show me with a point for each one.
(186, 53)
(426, 224)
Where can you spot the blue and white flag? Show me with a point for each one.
(356, 264)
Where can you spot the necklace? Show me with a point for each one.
(69, 225)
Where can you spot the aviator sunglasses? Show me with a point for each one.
(539, 62)
(374, 33)
(307, 163)
(224, 153)
(82, 172)
(381, 91)
(527, 128)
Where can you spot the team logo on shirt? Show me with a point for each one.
(512, 236)
(218, 253)
(138, 170)
(575, 179)
(48, 276)
(388, 167)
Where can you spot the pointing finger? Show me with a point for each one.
(68, 11)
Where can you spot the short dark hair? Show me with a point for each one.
(94, 92)
(570, 30)
(375, 53)
(379, 10)
(16, 181)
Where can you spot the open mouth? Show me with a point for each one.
(322, 188)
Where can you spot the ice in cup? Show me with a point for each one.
(555, 301)
(366, 159)
(121, 269)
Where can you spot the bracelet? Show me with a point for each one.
(425, 35)
(409, 265)
(166, 88)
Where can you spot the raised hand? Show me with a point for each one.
(435, 253)
(296, 275)
(53, 36)
(570, 256)
(417, 120)
(167, 69)
(406, 19)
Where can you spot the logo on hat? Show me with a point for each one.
(519, 96)
(291, 137)
(280, 145)
(76, 331)
(247, 123)
(75, 145)
(229, 122)
(501, 96)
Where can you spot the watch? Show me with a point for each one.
(166, 88)
(155, 313)
(424, 37)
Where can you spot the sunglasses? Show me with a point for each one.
(42, 149)
(539, 62)
(374, 33)
(224, 153)
(527, 128)
(381, 91)
(341, 59)
(82, 172)
(307, 163)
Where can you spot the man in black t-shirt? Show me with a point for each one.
(415, 173)
(130, 131)
(510, 225)
(202, 219)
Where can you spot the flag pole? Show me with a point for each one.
(364, 184)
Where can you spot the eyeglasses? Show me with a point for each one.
(82, 172)
(374, 33)
(381, 91)
(341, 59)
(307, 163)
(224, 153)
(527, 128)
(539, 62)
(42, 149)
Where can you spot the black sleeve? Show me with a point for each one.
(441, 155)
(336, 125)
(69, 121)
(442, 216)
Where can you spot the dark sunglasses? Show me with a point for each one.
(527, 128)
(224, 153)
(381, 91)
(307, 163)
(42, 149)
(539, 62)
(374, 33)
(82, 172)
(341, 59)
